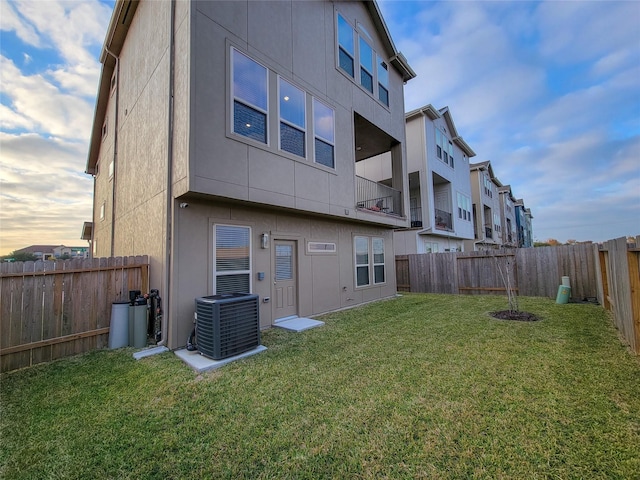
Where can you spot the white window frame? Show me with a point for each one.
(362, 40)
(303, 129)
(371, 263)
(361, 265)
(377, 264)
(233, 98)
(231, 272)
(380, 63)
(339, 45)
(320, 137)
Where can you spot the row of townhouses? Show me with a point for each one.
(263, 147)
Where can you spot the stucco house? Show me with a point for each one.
(486, 208)
(439, 185)
(508, 216)
(225, 142)
(524, 224)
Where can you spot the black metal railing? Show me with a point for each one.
(377, 197)
(416, 216)
(443, 220)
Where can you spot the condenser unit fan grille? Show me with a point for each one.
(227, 325)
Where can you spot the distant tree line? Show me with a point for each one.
(27, 257)
(552, 242)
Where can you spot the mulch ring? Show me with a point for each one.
(514, 315)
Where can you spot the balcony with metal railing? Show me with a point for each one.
(416, 217)
(443, 220)
(488, 232)
(377, 197)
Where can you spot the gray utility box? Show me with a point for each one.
(227, 325)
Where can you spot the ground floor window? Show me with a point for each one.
(369, 257)
(232, 259)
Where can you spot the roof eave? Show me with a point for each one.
(395, 57)
(123, 12)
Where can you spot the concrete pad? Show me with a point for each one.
(147, 352)
(200, 363)
(298, 324)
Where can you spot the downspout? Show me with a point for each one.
(115, 152)
(170, 211)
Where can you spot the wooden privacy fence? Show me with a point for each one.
(533, 272)
(50, 310)
(620, 287)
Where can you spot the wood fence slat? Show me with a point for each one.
(53, 309)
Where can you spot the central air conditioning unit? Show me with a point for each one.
(227, 324)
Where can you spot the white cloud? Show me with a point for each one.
(44, 194)
(12, 21)
(39, 101)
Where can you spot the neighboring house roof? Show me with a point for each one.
(121, 18)
(486, 165)
(37, 249)
(46, 248)
(433, 114)
(507, 189)
(87, 231)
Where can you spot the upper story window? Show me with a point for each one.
(464, 207)
(383, 81)
(346, 46)
(444, 147)
(366, 65)
(292, 118)
(250, 99)
(488, 186)
(324, 134)
(373, 70)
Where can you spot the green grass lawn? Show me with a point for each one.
(424, 386)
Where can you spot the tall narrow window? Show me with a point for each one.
(323, 129)
(378, 259)
(366, 65)
(438, 143)
(232, 263)
(292, 118)
(346, 50)
(249, 98)
(451, 154)
(383, 81)
(362, 261)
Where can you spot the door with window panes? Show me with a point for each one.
(285, 282)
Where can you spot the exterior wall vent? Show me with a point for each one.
(227, 325)
(321, 247)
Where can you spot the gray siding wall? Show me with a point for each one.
(297, 41)
(325, 281)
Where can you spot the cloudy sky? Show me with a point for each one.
(548, 91)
